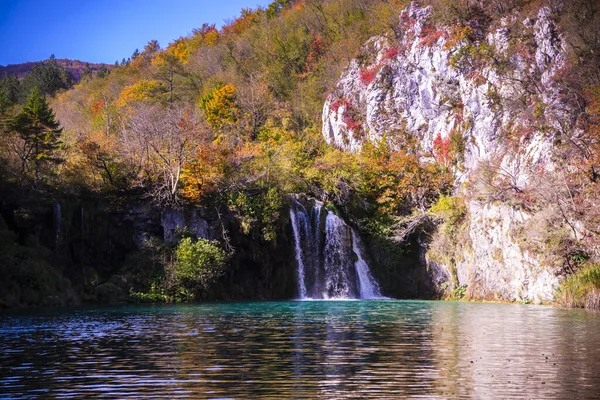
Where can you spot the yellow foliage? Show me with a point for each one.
(141, 91)
(180, 50)
(211, 38)
(457, 35)
(220, 106)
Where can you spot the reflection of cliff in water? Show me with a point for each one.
(331, 349)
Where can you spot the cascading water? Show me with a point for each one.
(57, 225)
(329, 257)
(368, 286)
(340, 276)
(298, 223)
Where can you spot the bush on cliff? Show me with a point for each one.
(198, 264)
(582, 289)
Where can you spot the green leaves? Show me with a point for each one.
(198, 264)
(39, 131)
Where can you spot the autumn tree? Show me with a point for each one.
(220, 106)
(141, 91)
(162, 141)
(255, 103)
(170, 63)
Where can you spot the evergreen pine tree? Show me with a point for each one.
(37, 126)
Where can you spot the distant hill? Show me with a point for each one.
(76, 67)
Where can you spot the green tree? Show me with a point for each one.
(198, 264)
(40, 133)
(10, 86)
(102, 72)
(4, 102)
(49, 77)
(275, 7)
(87, 72)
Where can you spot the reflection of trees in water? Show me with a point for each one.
(316, 349)
(361, 349)
(510, 351)
(85, 354)
(310, 349)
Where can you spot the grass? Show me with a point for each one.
(582, 289)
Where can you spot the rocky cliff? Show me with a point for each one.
(486, 100)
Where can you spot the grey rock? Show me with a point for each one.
(419, 90)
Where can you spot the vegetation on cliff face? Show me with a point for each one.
(581, 289)
(229, 120)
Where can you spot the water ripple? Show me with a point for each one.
(376, 349)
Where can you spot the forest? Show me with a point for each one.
(229, 122)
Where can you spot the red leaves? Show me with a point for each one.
(352, 125)
(350, 116)
(407, 23)
(318, 47)
(430, 35)
(441, 150)
(390, 53)
(335, 106)
(367, 75)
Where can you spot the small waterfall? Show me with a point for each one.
(57, 224)
(329, 257)
(368, 286)
(299, 258)
(339, 271)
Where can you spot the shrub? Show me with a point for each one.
(430, 35)
(582, 289)
(198, 264)
(390, 53)
(451, 209)
(451, 242)
(367, 75)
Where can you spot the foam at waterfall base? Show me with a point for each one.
(329, 256)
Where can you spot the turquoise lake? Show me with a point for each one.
(309, 349)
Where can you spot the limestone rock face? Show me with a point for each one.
(418, 83)
(175, 221)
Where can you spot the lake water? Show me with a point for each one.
(346, 349)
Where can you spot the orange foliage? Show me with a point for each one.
(430, 35)
(204, 172)
(399, 180)
(458, 34)
(211, 38)
(97, 106)
(441, 150)
(592, 96)
(241, 24)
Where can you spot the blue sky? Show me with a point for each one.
(102, 30)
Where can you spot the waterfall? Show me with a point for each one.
(299, 258)
(329, 257)
(368, 286)
(339, 274)
(57, 224)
